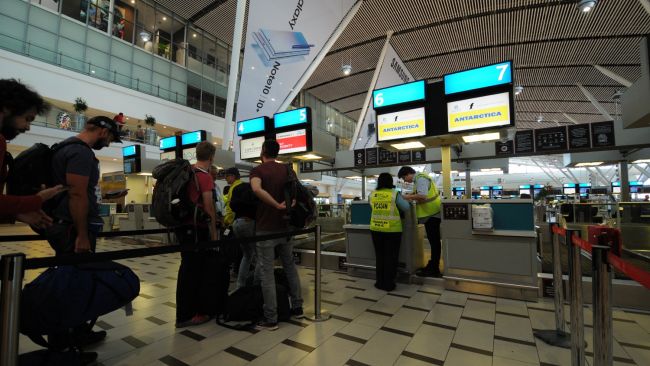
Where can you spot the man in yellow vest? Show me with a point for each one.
(426, 195)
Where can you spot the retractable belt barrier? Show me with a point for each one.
(106, 234)
(12, 267)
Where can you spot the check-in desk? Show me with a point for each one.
(360, 252)
(493, 255)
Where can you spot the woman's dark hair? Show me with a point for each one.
(18, 98)
(385, 180)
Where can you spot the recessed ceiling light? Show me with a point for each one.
(641, 161)
(194, 35)
(593, 163)
(408, 145)
(310, 157)
(346, 69)
(164, 18)
(482, 137)
(587, 5)
(518, 89)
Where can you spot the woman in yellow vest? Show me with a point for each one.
(386, 230)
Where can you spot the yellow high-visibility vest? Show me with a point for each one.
(385, 215)
(431, 208)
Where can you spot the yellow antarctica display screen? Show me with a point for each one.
(402, 124)
(477, 113)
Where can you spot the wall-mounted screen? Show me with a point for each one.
(169, 155)
(616, 189)
(568, 190)
(478, 113)
(249, 126)
(193, 137)
(478, 78)
(129, 151)
(398, 94)
(402, 124)
(292, 141)
(190, 155)
(168, 143)
(291, 118)
(251, 148)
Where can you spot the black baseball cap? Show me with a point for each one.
(106, 122)
(232, 171)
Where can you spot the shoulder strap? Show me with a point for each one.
(58, 146)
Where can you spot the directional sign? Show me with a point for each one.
(479, 78)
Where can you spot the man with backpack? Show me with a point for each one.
(268, 182)
(18, 107)
(203, 277)
(241, 210)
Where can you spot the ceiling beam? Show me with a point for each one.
(642, 170)
(548, 173)
(614, 76)
(600, 175)
(593, 101)
(206, 10)
(569, 118)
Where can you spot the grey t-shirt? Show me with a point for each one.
(80, 160)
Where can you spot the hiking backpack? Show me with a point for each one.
(304, 212)
(32, 168)
(170, 203)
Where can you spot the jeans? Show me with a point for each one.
(264, 272)
(387, 257)
(245, 228)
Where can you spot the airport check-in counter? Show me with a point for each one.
(490, 248)
(633, 219)
(360, 252)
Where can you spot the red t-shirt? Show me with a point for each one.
(10, 206)
(274, 176)
(206, 184)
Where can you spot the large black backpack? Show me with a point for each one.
(304, 212)
(32, 168)
(170, 203)
(244, 199)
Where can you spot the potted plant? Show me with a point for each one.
(80, 106)
(149, 120)
(150, 133)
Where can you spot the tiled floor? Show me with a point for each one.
(413, 325)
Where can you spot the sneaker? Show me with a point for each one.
(297, 313)
(197, 319)
(262, 325)
(87, 358)
(89, 338)
(428, 272)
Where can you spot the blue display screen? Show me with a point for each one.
(635, 183)
(398, 94)
(128, 151)
(168, 143)
(459, 188)
(569, 185)
(250, 126)
(478, 78)
(539, 186)
(485, 187)
(585, 185)
(290, 118)
(616, 184)
(527, 186)
(191, 138)
(497, 187)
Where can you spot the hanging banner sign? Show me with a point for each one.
(392, 71)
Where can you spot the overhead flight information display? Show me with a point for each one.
(192, 138)
(291, 118)
(251, 148)
(292, 141)
(402, 124)
(168, 143)
(478, 113)
(403, 93)
(478, 78)
(250, 126)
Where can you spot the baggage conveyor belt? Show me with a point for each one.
(333, 253)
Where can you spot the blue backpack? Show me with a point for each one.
(65, 297)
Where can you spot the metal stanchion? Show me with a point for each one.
(602, 302)
(319, 315)
(575, 288)
(558, 337)
(11, 270)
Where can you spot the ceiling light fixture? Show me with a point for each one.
(491, 170)
(540, 118)
(145, 36)
(408, 145)
(641, 161)
(164, 18)
(346, 69)
(593, 163)
(310, 157)
(194, 35)
(587, 5)
(518, 89)
(482, 137)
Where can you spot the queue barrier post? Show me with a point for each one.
(12, 271)
(558, 337)
(319, 315)
(575, 289)
(602, 302)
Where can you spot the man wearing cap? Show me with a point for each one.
(76, 214)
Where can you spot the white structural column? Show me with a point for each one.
(373, 82)
(111, 10)
(593, 101)
(233, 78)
(614, 76)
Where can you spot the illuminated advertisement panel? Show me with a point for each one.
(478, 113)
(251, 148)
(402, 124)
(292, 141)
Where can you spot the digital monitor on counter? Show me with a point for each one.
(569, 188)
(488, 111)
(402, 124)
(132, 150)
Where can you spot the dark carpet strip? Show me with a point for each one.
(429, 292)
(355, 288)
(241, 354)
(482, 300)
(156, 321)
(365, 298)
(299, 346)
(615, 358)
(350, 338)
(634, 345)
(398, 295)
(347, 279)
(341, 318)
(478, 320)
(298, 323)
(356, 363)
(547, 364)
(145, 296)
(134, 342)
(192, 335)
(327, 292)
(397, 331)
(450, 304)
(471, 349)
(159, 285)
(541, 309)
(170, 304)
(415, 308)
(379, 313)
(623, 320)
(102, 324)
(172, 361)
(449, 327)
(512, 314)
(331, 302)
(426, 359)
(512, 340)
